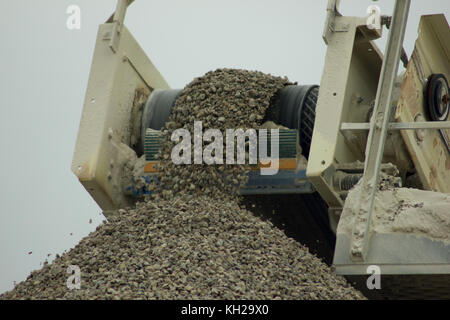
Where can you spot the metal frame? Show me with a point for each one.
(399, 125)
(427, 149)
(348, 86)
(117, 21)
(120, 80)
(412, 265)
(378, 130)
(340, 128)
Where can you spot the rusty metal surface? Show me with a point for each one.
(427, 148)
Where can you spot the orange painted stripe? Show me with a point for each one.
(151, 167)
(284, 164)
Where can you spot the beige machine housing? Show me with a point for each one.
(119, 84)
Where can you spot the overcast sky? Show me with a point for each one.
(44, 69)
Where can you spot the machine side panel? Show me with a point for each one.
(347, 89)
(427, 148)
(117, 83)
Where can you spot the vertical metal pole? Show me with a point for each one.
(117, 20)
(331, 12)
(378, 130)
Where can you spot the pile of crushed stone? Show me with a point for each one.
(193, 238)
(187, 248)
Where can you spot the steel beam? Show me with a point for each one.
(398, 125)
(117, 19)
(378, 130)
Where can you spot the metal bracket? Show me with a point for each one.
(378, 131)
(117, 20)
(399, 125)
(330, 25)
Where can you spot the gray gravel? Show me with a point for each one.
(221, 99)
(187, 248)
(193, 239)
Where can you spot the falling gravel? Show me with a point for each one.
(193, 238)
(222, 99)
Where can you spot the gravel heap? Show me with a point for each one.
(194, 239)
(187, 248)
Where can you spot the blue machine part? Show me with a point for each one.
(284, 182)
(136, 190)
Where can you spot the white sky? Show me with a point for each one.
(44, 69)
